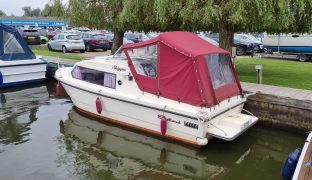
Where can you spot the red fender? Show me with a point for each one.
(98, 104)
(163, 125)
(59, 90)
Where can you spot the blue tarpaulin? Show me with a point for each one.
(12, 45)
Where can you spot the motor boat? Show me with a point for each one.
(18, 64)
(175, 85)
(296, 43)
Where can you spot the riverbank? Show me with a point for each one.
(292, 74)
(284, 108)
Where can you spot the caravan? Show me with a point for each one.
(18, 64)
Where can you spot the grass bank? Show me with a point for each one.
(45, 52)
(276, 72)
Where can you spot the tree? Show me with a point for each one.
(27, 11)
(229, 16)
(2, 13)
(58, 9)
(98, 14)
(31, 12)
(223, 16)
(36, 12)
(47, 10)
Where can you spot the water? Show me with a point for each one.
(43, 137)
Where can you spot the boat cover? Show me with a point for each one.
(183, 67)
(12, 45)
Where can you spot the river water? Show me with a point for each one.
(43, 137)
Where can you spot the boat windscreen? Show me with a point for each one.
(144, 60)
(220, 69)
(120, 55)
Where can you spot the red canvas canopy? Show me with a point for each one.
(183, 67)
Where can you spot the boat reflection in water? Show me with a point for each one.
(129, 154)
(18, 108)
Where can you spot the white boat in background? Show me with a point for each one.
(175, 85)
(18, 64)
(296, 43)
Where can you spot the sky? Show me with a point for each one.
(15, 6)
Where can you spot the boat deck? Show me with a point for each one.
(306, 171)
(303, 171)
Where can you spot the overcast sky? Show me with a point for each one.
(15, 6)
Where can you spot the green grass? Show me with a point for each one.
(276, 72)
(45, 52)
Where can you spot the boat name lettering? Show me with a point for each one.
(191, 125)
(169, 119)
(118, 68)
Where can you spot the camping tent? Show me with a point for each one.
(12, 45)
(183, 67)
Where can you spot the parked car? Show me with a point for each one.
(211, 41)
(94, 40)
(253, 44)
(127, 41)
(44, 39)
(136, 37)
(66, 43)
(31, 36)
(110, 37)
(242, 46)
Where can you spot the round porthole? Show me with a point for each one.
(119, 82)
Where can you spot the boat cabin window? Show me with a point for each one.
(220, 69)
(95, 76)
(10, 44)
(144, 60)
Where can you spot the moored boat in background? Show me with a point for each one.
(18, 64)
(295, 44)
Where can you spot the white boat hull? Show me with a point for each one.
(21, 72)
(134, 115)
(288, 43)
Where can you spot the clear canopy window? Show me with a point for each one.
(119, 55)
(144, 60)
(220, 69)
(10, 44)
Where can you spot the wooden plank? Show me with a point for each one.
(306, 171)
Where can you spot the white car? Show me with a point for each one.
(211, 41)
(66, 42)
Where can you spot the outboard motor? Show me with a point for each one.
(290, 164)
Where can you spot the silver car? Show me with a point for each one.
(66, 43)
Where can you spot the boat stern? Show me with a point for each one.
(230, 126)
